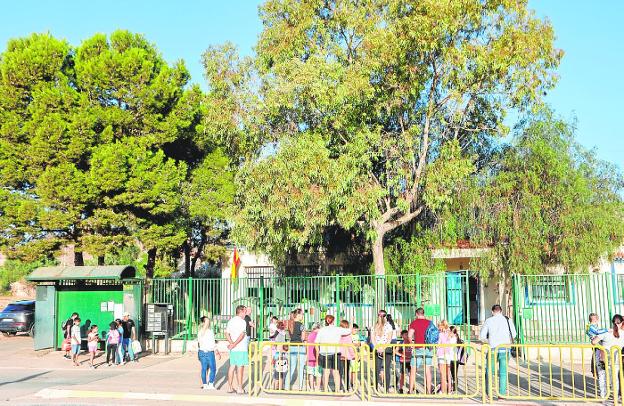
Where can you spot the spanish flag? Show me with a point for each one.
(235, 263)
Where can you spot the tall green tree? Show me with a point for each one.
(545, 203)
(96, 144)
(375, 105)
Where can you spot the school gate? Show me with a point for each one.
(354, 298)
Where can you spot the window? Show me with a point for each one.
(549, 289)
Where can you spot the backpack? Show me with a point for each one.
(432, 334)
(64, 325)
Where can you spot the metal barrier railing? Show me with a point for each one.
(426, 371)
(565, 372)
(306, 368)
(540, 372)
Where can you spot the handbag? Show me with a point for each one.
(514, 351)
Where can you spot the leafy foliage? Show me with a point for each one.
(548, 203)
(379, 108)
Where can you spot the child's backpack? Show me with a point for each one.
(281, 364)
(432, 334)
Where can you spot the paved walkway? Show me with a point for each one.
(28, 378)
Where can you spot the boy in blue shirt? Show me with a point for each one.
(592, 330)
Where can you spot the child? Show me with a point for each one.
(280, 363)
(460, 358)
(445, 355)
(112, 341)
(403, 360)
(120, 349)
(355, 363)
(273, 328)
(313, 370)
(347, 354)
(592, 330)
(76, 341)
(92, 343)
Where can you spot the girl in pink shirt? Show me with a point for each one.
(445, 353)
(312, 368)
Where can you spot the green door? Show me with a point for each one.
(92, 306)
(455, 297)
(45, 319)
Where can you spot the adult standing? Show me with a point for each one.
(129, 335)
(67, 326)
(421, 355)
(236, 334)
(382, 336)
(329, 355)
(608, 340)
(249, 324)
(207, 348)
(297, 351)
(498, 331)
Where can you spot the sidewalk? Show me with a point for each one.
(29, 377)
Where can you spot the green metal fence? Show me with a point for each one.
(354, 298)
(555, 308)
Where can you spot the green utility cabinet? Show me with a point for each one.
(99, 294)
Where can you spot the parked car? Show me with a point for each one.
(18, 317)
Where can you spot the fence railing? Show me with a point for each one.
(354, 298)
(537, 372)
(555, 308)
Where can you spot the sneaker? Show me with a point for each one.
(210, 386)
(205, 386)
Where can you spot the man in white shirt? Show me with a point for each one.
(76, 340)
(236, 334)
(498, 330)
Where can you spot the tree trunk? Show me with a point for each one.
(378, 254)
(187, 257)
(101, 260)
(198, 253)
(78, 258)
(151, 263)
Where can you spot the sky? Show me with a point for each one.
(590, 88)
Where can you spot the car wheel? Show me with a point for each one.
(31, 332)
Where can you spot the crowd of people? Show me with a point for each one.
(119, 341)
(315, 358)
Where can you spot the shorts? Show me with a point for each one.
(328, 361)
(421, 355)
(313, 370)
(239, 358)
(75, 349)
(92, 347)
(355, 365)
(447, 358)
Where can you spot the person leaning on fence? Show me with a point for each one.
(347, 356)
(421, 355)
(330, 354)
(498, 330)
(297, 353)
(403, 357)
(460, 358)
(609, 340)
(382, 336)
(236, 335)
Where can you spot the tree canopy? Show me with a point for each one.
(97, 143)
(379, 109)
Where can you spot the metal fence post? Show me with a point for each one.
(260, 330)
(337, 299)
(189, 311)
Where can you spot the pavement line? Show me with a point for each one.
(50, 393)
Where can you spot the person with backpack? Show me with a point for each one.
(498, 330)
(66, 327)
(422, 331)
